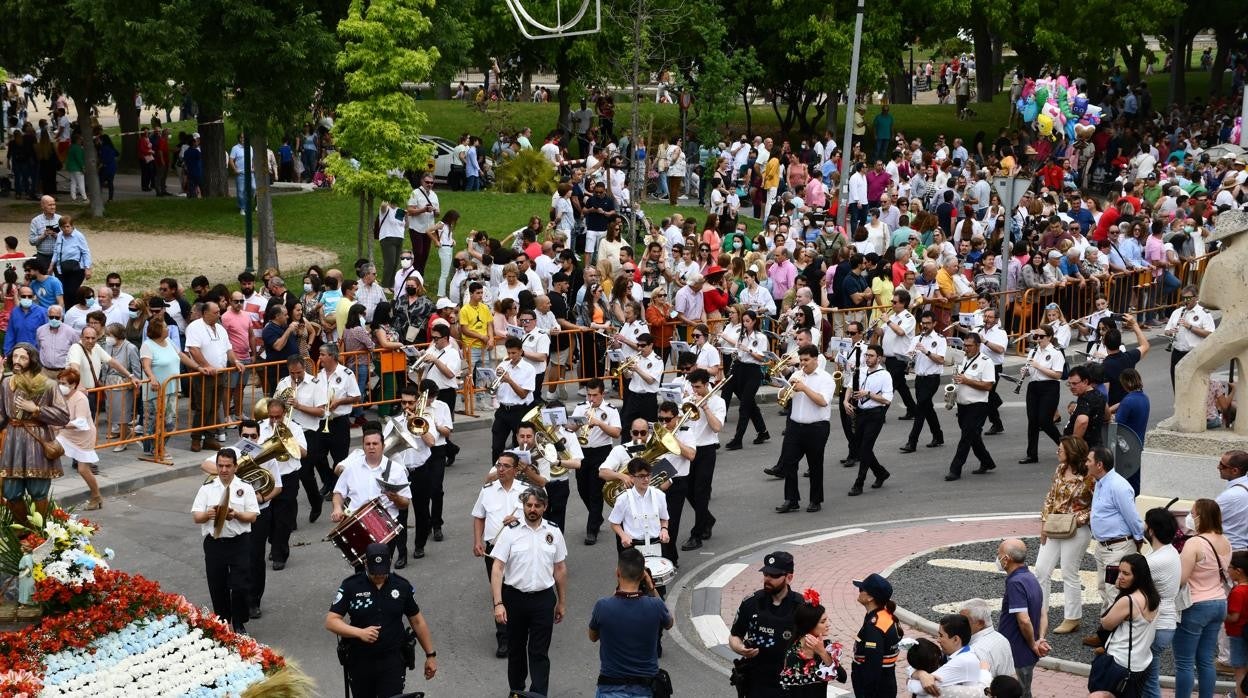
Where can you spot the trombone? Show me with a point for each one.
(417, 421)
(692, 411)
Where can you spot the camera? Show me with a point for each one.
(1117, 317)
(54, 228)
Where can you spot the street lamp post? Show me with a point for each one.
(847, 144)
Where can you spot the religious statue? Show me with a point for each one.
(30, 406)
(26, 575)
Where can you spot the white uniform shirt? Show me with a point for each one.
(1061, 335)
(877, 381)
(640, 515)
(607, 413)
(451, 358)
(997, 336)
(752, 342)
(530, 554)
(804, 410)
(700, 432)
(292, 465)
(522, 373)
(980, 368)
(421, 198)
(358, 482)
(1185, 339)
(685, 436)
(537, 342)
(895, 345)
(1051, 359)
(853, 361)
(759, 300)
(242, 498)
(341, 383)
(934, 344)
(621, 454)
(494, 503)
(630, 331)
(213, 342)
(308, 392)
(652, 365)
(708, 356)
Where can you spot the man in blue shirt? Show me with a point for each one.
(1020, 619)
(27, 317)
(71, 258)
(1116, 525)
(628, 624)
(48, 289)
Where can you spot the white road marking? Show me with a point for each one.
(711, 629)
(1007, 517)
(722, 576)
(829, 536)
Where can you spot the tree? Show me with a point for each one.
(83, 47)
(378, 128)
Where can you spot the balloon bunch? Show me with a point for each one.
(1058, 105)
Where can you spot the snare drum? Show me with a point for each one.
(662, 571)
(370, 524)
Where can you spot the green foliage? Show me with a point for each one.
(529, 172)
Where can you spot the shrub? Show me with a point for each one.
(529, 172)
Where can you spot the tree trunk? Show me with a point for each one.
(749, 119)
(361, 225)
(442, 90)
(985, 67)
(91, 162)
(899, 83)
(1178, 70)
(1132, 56)
(264, 200)
(372, 216)
(563, 72)
(998, 75)
(1220, 58)
(834, 106)
(526, 84)
(213, 147)
(128, 120)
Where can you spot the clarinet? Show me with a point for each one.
(1025, 371)
(1177, 327)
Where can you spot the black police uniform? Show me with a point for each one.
(769, 628)
(376, 669)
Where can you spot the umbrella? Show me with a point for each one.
(1224, 150)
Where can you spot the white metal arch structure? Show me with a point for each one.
(531, 28)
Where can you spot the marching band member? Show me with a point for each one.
(226, 558)
(806, 432)
(928, 350)
(642, 398)
(439, 454)
(286, 502)
(677, 487)
(898, 337)
(974, 378)
(705, 436)
(497, 506)
(603, 428)
(529, 585)
(640, 516)
(340, 390)
(1061, 329)
(536, 351)
(545, 460)
(307, 407)
(707, 356)
(806, 338)
(751, 354)
(1189, 325)
(1043, 390)
(852, 361)
(362, 473)
(445, 365)
(415, 460)
(628, 336)
(993, 342)
(868, 404)
(513, 395)
(533, 470)
(614, 467)
(1088, 328)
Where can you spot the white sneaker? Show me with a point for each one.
(119, 448)
(682, 197)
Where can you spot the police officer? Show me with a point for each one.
(763, 628)
(874, 671)
(227, 558)
(377, 601)
(529, 584)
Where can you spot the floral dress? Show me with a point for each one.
(802, 675)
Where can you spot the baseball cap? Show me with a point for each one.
(157, 302)
(876, 587)
(444, 303)
(1054, 254)
(777, 563)
(377, 558)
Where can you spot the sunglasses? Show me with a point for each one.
(638, 432)
(697, 335)
(114, 285)
(27, 295)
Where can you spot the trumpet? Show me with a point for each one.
(423, 362)
(500, 372)
(329, 399)
(619, 371)
(582, 434)
(692, 411)
(786, 393)
(773, 368)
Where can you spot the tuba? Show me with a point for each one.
(661, 443)
(546, 435)
(400, 438)
(281, 446)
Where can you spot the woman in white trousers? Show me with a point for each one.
(1070, 494)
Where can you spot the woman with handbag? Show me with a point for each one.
(1127, 626)
(1064, 532)
(1205, 558)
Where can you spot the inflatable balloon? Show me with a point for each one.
(1063, 82)
(1044, 123)
(1030, 110)
(1237, 131)
(1029, 87)
(1085, 131)
(1080, 105)
(1042, 95)
(1093, 112)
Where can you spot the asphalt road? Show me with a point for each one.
(152, 533)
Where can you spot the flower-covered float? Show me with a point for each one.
(106, 633)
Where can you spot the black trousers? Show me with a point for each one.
(500, 629)
(847, 425)
(535, 396)
(336, 444)
(227, 563)
(1042, 398)
(809, 441)
(971, 420)
(868, 424)
(701, 476)
(589, 485)
(285, 510)
(374, 674)
(643, 405)
(557, 510)
(437, 474)
(896, 367)
(506, 420)
(676, 494)
(994, 400)
(1175, 357)
(312, 466)
(71, 281)
(530, 622)
(261, 529)
(925, 388)
(419, 481)
(748, 377)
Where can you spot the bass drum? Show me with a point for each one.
(370, 524)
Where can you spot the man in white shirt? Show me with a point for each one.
(897, 335)
(368, 292)
(973, 380)
(114, 312)
(640, 515)
(361, 478)
(994, 341)
(536, 350)
(307, 406)
(208, 343)
(806, 433)
(642, 398)
(423, 209)
(987, 643)
(514, 395)
(601, 429)
(1189, 324)
(704, 435)
(928, 353)
(497, 506)
(226, 556)
(868, 405)
(857, 197)
(416, 454)
(339, 390)
(286, 502)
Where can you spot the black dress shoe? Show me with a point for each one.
(850, 462)
(1028, 460)
(733, 446)
(805, 473)
(692, 544)
(401, 561)
(935, 444)
(951, 477)
(846, 461)
(773, 472)
(437, 535)
(314, 515)
(855, 492)
(814, 507)
(591, 538)
(998, 429)
(788, 507)
(706, 534)
(254, 612)
(907, 417)
(984, 469)
(418, 554)
(501, 652)
(239, 629)
(762, 438)
(279, 565)
(908, 448)
(879, 481)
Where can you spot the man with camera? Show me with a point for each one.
(374, 650)
(43, 230)
(627, 625)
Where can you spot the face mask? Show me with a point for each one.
(91, 303)
(110, 341)
(134, 314)
(26, 302)
(1000, 567)
(411, 291)
(737, 244)
(1189, 229)
(1189, 523)
(307, 288)
(54, 323)
(771, 226)
(64, 390)
(405, 263)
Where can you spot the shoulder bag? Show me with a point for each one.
(1106, 674)
(52, 449)
(1060, 526)
(1227, 584)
